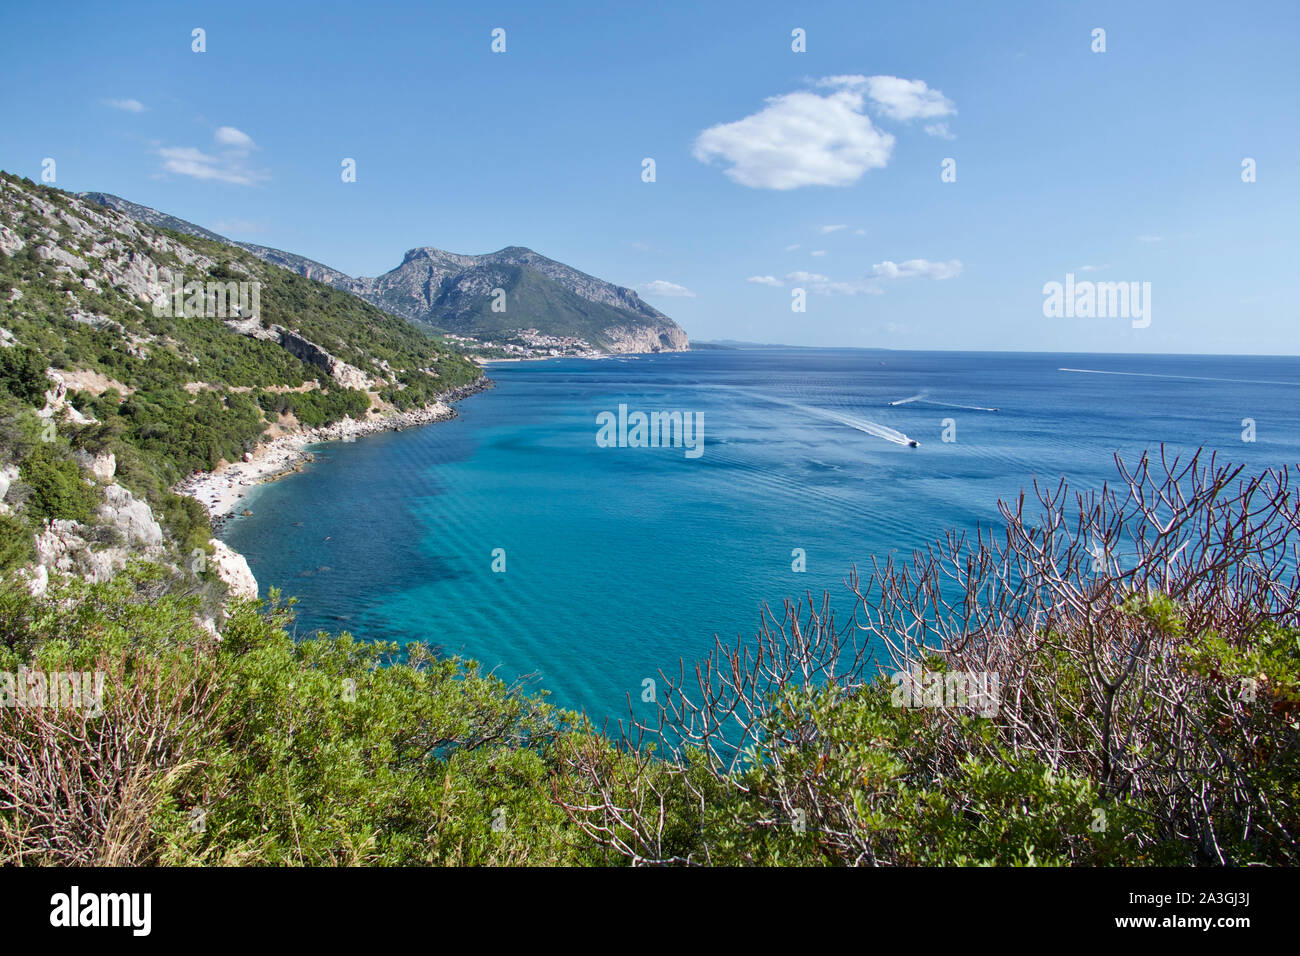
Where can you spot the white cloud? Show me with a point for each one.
(901, 99)
(1092, 268)
(229, 165)
(827, 230)
(792, 248)
(129, 106)
(799, 139)
(662, 287)
(765, 280)
(234, 138)
(917, 268)
(940, 130)
(823, 285)
(859, 232)
(817, 252)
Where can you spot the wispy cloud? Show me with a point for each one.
(917, 269)
(662, 287)
(234, 138)
(765, 280)
(824, 285)
(227, 164)
(901, 99)
(827, 230)
(128, 106)
(817, 252)
(940, 130)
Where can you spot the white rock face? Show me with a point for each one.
(232, 568)
(131, 517)
(349, 376)
(8, 476)
(61, 256)
(10, 241)
(103, 467)
(66, 546)
(38, 579)
(56, 400)
(62, 547)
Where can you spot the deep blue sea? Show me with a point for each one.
(620, 561)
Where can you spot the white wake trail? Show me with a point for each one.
(875, 429)
(972, 408)
(1185, 378)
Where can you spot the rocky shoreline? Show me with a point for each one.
(222, 490)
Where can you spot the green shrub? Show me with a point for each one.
(22, 374)
(16, 547)
(58, 489)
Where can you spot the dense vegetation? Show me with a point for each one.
(176, 394)
(257, 748)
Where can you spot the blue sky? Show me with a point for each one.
(1115, 166)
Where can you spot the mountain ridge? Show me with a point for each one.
(481, 296)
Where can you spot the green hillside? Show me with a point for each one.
(169, 394)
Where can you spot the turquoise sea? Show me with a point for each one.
(621, 561)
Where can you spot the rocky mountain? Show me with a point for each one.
(456, 293)
(288, 260)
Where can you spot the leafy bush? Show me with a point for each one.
(22, 374)
(16, 548)
(58, 489)
(313, 752)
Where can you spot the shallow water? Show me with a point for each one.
(619, 561)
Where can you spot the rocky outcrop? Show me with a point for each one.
(8, 475)
(104, 466)
(659, 338)
(57, 404)
(232, 567)
(130, 517)
(349, 376)
(71, 547)
(10, 241)
(61, 256)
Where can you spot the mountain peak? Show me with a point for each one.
(454, 292)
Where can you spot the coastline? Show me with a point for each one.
(222, 490)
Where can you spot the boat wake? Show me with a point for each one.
(863, 425)
(972, 408)
(875, 429)
(1185, 378)
(925, 400)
